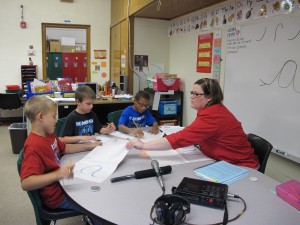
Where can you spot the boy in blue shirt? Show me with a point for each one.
(136, 116)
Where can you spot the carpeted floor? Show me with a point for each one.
(15, 206)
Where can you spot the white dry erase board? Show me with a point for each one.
(262, 80)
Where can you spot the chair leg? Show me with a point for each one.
(87, 220)
(53, 222)
(45, 222)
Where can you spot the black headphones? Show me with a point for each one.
(170, 210)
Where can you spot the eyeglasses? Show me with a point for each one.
(195, 95)
(143, 105)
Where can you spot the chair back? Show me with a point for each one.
(113, 117)
(59, 126)
(262, 149)
(44, 215)
(33, 195)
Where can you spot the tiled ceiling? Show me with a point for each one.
(170, 9)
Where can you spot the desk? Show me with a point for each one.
(129, 202)
(101, 108)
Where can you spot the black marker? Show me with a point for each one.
(142, 174)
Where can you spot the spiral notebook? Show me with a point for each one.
(221, 172)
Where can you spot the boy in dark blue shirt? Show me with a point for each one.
(136, 116)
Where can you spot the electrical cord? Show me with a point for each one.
(242, 211)
(225, 220)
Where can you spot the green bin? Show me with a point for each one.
(18, 135)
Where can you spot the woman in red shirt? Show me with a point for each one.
(218, 133)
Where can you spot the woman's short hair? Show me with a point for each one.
(211, 88)
(37, 104)
(84, 91)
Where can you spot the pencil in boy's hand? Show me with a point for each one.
(70, 166)
(109, 125)
(136, 125)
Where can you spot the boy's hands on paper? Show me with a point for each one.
(137, 132)
(95, 144)
(87, 138)
(110, 128)
(153, 130)
(66, 172)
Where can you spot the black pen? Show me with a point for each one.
(162, 132)
(206, 165)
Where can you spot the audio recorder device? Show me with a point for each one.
(202, 192)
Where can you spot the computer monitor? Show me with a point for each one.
(92, 85)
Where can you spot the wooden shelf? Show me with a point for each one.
(28, 73)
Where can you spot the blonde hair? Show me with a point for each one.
(37, 104)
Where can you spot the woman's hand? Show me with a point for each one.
(134, 143)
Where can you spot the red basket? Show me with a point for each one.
(12, 87)
(159, 85)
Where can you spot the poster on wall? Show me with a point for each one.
(141, 60)
(100, 54)
(217, 55)
(204, 53)
(249, 10)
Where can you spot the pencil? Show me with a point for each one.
(70, 166)
(109, 124)
(135, 124)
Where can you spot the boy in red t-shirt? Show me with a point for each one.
(41, 167)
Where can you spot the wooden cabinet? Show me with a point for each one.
(28, 73)
(119, 57)
(122, 43)
(177, 96)
(115, 56)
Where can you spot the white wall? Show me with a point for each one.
(150, 38)
(183, 56)
(177, 54)
(15, 41)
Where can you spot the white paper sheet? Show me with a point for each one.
(147, 136)
(179, 156)
(170, 129)
(63, 99)
(102, 161)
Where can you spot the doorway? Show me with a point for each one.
(66, 51)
